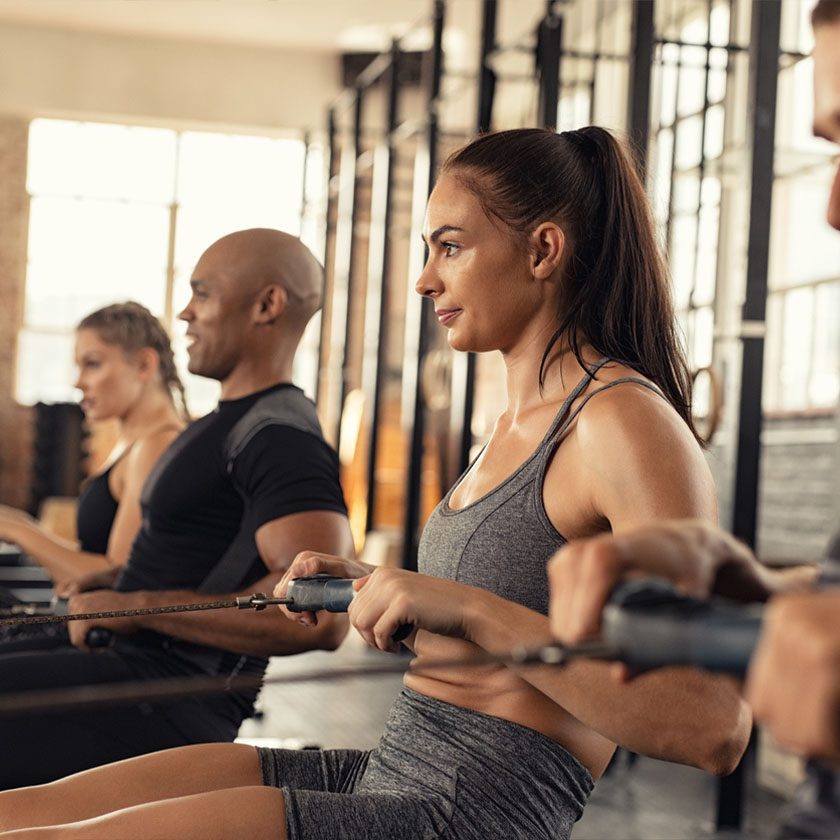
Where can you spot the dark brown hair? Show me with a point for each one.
(131, 327)
(617, 295)
(826, 11)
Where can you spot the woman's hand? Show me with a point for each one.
(313, 563)
(390, 598)
(12, 520)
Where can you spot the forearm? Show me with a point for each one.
(700, 719)
(60, 557)
(263, 633)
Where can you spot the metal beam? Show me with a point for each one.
(413, 407)
(379, 276)
(638, 91)
(549, 47)
(764, 75)
(344, 286)
(329, 253)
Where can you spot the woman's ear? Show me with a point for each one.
(148, 363)
(547, 245)
(270, 304)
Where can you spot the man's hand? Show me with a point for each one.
(101, 600)
(793, 684)
(696, 557)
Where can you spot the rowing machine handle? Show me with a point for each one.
(330, 593)
(654, 626)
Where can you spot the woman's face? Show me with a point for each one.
(477, 274)
(111, 382)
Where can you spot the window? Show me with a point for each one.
(803, 330)
(122, 212)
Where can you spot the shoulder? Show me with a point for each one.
(617, 412)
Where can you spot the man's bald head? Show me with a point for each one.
(252, 259)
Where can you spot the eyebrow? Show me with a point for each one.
(438, 232)
(196, 283)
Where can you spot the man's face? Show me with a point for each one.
(827, 101)
(217, 315)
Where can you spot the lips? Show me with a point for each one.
(445, 316)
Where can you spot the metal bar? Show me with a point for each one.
(764, 77)
(329, 255)
(413, 406)
(638, 93)
(347, 253)
(376, 329)
(549, 45)
(486, 75)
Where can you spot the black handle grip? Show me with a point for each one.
(330, 593)
(98, 637)
(654, 626)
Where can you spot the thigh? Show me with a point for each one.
(169, 774)
(312, 815)
(44, 747)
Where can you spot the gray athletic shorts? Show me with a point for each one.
(439, 771)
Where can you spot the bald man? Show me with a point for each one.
(238, 494)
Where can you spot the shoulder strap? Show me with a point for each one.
(570, 419)
(286, 407)
(575, 393)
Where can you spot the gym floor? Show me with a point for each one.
(649, 799)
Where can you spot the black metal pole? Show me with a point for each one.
(486, 76)
(378, 327)
(549, 46)
(764, 76)
(638, 93)
(329, 250)
(416, 409)
(347, 260)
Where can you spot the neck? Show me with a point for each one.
(253, 375)
(561, 372)
(154, 410)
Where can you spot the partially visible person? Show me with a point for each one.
(793, 684)
(126, 373)
(227, 507)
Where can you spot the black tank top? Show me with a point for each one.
(95, 512)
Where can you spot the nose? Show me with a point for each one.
(428, 283)
(186, 313)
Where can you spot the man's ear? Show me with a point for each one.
(548, 242)
(270, 304)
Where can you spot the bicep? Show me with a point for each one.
(281, 540)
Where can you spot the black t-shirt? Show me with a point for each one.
(194, 510)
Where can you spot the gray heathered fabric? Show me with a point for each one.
(502, 541)
(439, 771)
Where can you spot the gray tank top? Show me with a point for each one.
(502, 541)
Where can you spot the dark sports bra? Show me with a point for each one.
(96, 510)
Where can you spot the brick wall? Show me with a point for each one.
(15, 420)
(799, 507)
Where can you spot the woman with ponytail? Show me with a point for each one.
(126, 373)
(542, 248)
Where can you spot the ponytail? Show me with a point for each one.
(616, 293)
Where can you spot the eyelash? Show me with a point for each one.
(446, 246)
